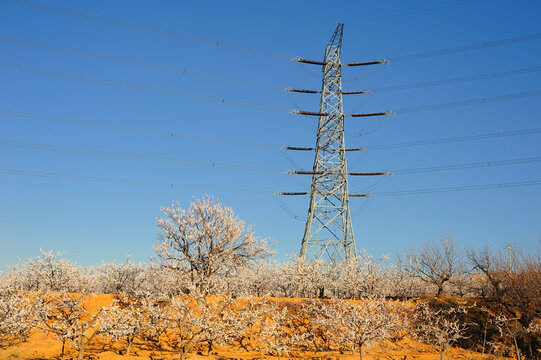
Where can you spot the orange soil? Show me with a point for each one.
(45, 346)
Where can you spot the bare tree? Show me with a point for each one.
(507, 327)
(512, 285)
(204, 240)
(435, 264)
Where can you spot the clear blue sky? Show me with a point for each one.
(250, 42)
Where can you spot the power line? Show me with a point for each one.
(466, 166)
(140, 63)
(136, 130)
(151, 30)
(145, 131)
(464, 48)
(237, 167)
(461, 103)
(181, 135)
(247, 104)
(251, 191)
(456, 139)
(457, 80)
(176, 35)
(182, 71)
(459, 188)
(121, 84)
(140, 157)
(129, 182)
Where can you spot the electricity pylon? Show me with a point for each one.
(328, 233)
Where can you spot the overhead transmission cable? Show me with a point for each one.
(181, 135)
(466, 166)
(459, 188)
(471, 165)
(140, 157)
(456, 80)
(130, 182)
(238, 167)
(187, 37)
(101, 81)
(150, 29)
(136, 130)
(126, 61)
(145, 88)
(236, 80)
(455, 139)
(464, 48)
(468, 102)
(253, 191)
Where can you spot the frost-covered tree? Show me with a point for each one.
(256, 279)
(66, 316)
(48, 272)
(124, 278)
(204, 240)
(17, 317)
(356, 325)
(124, 320)
(276, 335)
(158, 316)
(187, 324)
(160, 283)
(218, 320)
(438, 328)
(250, 313)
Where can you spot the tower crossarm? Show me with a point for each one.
(313, 113)
(317, 92)
(363, 63)
(302, 172)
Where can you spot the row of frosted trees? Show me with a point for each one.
(188, 323)
(294, 278)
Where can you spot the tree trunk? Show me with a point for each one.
(360, 351)
(440, 290)
(82, 344)
(182, 353)
(63, 347)
(517, 351)
(128, 347)
(441, 352)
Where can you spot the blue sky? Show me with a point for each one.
(170, 61)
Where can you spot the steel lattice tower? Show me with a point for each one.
(328, 232)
